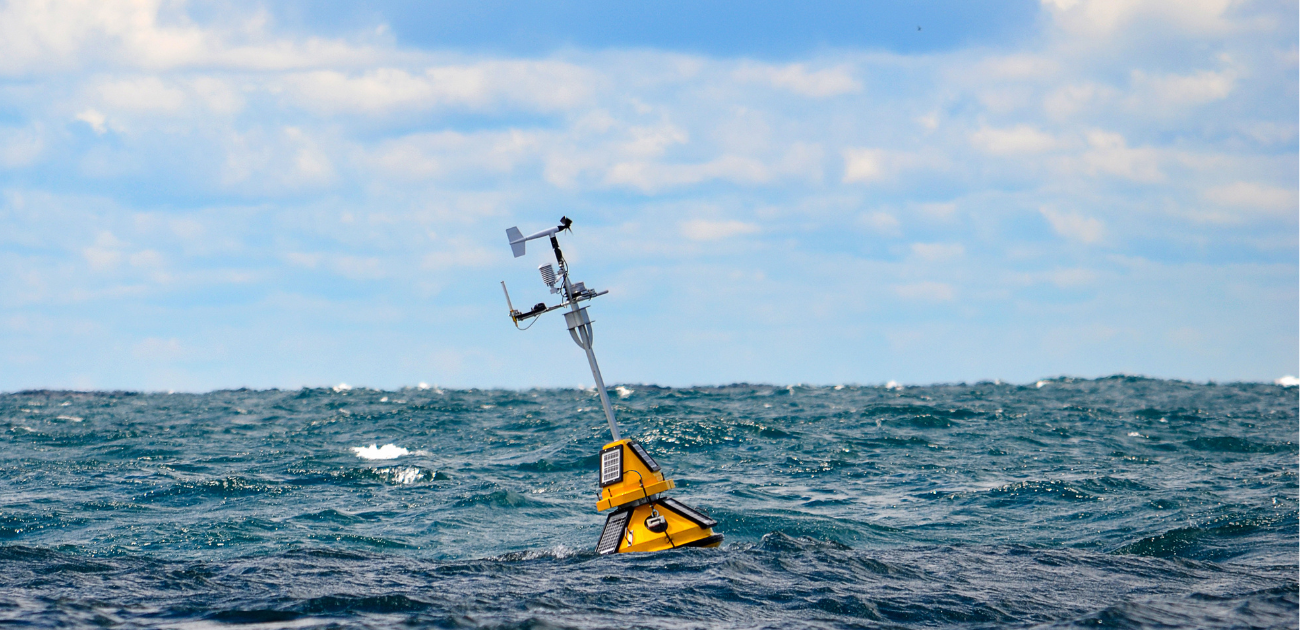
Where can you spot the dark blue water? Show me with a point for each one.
(1119, 502)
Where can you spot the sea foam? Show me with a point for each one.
(387, 451)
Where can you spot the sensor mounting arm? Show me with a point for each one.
(578, 322)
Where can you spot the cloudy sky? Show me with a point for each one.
(202, 195)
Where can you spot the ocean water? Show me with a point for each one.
(1119, 502)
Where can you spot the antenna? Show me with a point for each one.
(576, 318)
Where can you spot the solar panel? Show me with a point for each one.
(699, 519)
(613, 534)
(645, 457)
(611, 465)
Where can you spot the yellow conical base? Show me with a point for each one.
(645, 520)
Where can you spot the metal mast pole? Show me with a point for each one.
(585, 332)
(580, 330)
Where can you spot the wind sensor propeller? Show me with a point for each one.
(630, 479)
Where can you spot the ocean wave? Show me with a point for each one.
(964, 506)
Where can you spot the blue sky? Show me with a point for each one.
(206, 195)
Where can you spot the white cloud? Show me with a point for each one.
(278, 161)
(1252, 199)
(1111, 155)
(303, 259)
(141, 94)
(1066, 278)
(106, 253)
(448, 153)
(36, 36)
(1016, 140)
(101, 258)
(358, 267)
(937, 211)
(159, 349)
(1076, 227)
(1105, 17)
(651, 141)
(866, 165)
(219, 95)
(536, 85)
(798, 79)
(64, 35)
(880, 222)
(863, 165)
(147, 258)
(460, 254)
(937, 252)
(704, 230)
(926, 292)
(313, 165)
(1019, 67)
(1069, 100)
(652, 176)
(1070, 278)
(21, 146)
(1173, 90)
(95, 119)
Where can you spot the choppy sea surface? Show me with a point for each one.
(1113, 503)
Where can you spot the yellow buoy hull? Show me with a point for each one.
(643, 519)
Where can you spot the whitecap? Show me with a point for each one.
(559, 552)
(624, 392)
(1287, 381)
(402, 475)
(69, 418)
(1040, 384)
(387, 451)
(893, 385)
(342, 387)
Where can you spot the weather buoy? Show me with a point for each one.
(631, 482)
(643, 519)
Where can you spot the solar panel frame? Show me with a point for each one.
(643, 455)
(617, 465)
(612, 536)
(689, 513)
